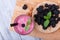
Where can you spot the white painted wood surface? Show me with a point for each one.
(6, 12)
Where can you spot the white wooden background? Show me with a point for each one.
(6, 12)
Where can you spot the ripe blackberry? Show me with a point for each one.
(45, 11)
(46, 5)
(55, 15)
(49, 7)
(41, 15)
(38, 13)
(23, 25)
(57, 7)
(42, 21)
(52, 19)
(40, 9)
(58, 19)
(38, 21)
(53, 23)
(54, 7)
(45, 28)
(56, 11)
(35, 16)
(24, 7)
(35, 20)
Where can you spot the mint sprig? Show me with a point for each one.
(46, 23)
(48, 15)
(28, 25)
(29, 21)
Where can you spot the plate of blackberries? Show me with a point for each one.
(46, 17)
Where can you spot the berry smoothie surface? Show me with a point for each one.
(25, 24)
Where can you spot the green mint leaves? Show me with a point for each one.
(48, 15)
(29, 21)
(28, 25)
(46, 23)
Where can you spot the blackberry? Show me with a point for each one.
(46, 5)
(38, 21)
(52, 19)
(35, 20)
(35, 16)
(45, 11)
(55, 6)
(53, 23)
(45, 28)
(38, 13)
(56, 11)
(49, 7)
(42, 21)
(58, 19)
(40, 9)
(23, 25)
(52, 7)
(41, 15)
(55, 15)
(24, 7)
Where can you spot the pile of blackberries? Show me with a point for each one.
(43, 10)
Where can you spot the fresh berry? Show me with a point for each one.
(53, 7)
(24, 6)
(35, 16)
(49, 7)
(23, 25)
(45, 28)
(46, 5)
(56, 11)
(58, 19)
(53, 25)
(52, 19)
(40, 9)
(45, 11)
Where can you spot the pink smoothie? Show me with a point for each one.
(22, 19)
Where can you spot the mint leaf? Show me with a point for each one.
(49, 14)
(45, 17)
(27, 27)
(46, 23)
(28, 22)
